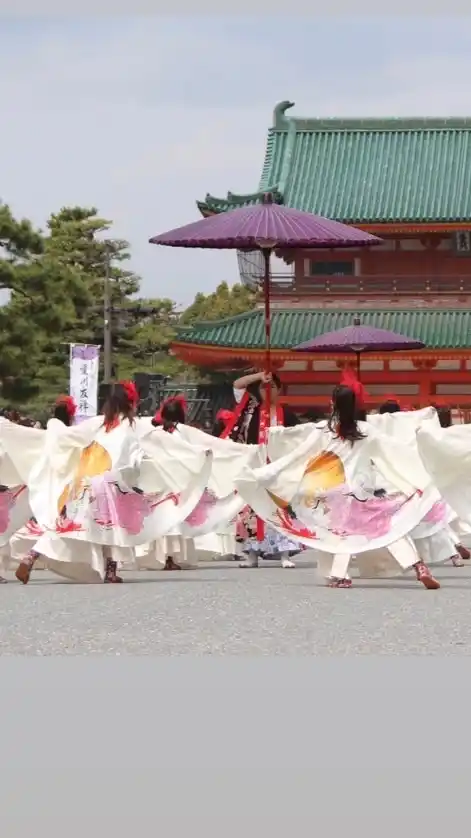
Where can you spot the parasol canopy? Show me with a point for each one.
(265, 226)
(358, 339)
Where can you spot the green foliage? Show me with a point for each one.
(224, 302)
(55, 284)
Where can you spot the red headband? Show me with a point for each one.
(131, 391)
(391, 397)
(180, 398)
(69, 403)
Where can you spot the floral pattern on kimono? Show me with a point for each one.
(370, 516)
(111, 506)
(97, 492)
(201, 512)
(8, 500)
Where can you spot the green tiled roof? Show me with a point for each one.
(437, 328)
(415, 170)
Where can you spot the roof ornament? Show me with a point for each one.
(279, 111)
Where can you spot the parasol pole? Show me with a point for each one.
(266, 251)
(358, 349)
(358, 357)
(266, 299)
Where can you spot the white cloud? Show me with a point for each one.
(143, 117)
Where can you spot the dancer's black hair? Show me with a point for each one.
(218, 427)
(444, 417)
(343, 421)
(62, 414)
(118, 404)
(173, 414)
(390, 406)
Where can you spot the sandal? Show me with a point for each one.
(111, 576)
(332, 582)
(425, 577)
(171, 565)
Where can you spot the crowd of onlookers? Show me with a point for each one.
(19, 419)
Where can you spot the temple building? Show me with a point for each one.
(405, 180)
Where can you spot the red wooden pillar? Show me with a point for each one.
(426, 397)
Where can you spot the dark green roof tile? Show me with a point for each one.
(437, 328)
(414, 170)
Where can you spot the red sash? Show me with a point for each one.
(263, 426)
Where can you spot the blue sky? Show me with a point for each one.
(142, 116)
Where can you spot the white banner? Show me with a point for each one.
(84, 369)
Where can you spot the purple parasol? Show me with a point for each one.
(358, 339)
(266, 226)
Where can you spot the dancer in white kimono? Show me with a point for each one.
(434, 538)
(162, 552)
(323, 493)
(98, 496)
(14, 472)
(209, 530)
(22, 543)
(446, 454)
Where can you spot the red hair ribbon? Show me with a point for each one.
(131, 391)
(178, 398)
(224, 416)
(69, 404)
(349, 379)
(390, 397)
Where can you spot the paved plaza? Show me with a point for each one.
(220, 609)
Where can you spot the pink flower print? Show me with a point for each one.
(349, 516)
(111, 507)
(33, 528)
(437, 514)
(7, 502)
(202, 509)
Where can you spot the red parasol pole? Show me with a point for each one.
(358, 357)
(266, 295)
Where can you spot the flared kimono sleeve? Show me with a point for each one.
(399, 463)
(284, 473)
(20, 448)
(282, 441)
(403, 425)
(446, 453)
(168, 460)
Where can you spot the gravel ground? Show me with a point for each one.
(220, 609)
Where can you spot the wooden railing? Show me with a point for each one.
(378, 285)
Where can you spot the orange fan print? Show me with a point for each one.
(94, 461)
(322, 473)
